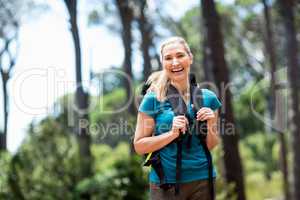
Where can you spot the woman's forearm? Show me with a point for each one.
(153, 143)
(212, 138)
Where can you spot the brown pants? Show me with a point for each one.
(196, 190)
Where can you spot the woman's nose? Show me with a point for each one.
(175, 61)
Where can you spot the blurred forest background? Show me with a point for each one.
(246, 49)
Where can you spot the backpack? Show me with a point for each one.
(179, 108)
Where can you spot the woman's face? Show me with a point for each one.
(176, 62)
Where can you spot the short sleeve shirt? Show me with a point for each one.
(194, 162)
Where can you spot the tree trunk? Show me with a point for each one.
(145, 30)
(157, 58)
(3, 135)
(126, 16)
(3, 141)
(207, 66)
(81, 100)
(9, 22)
(206, 61)
(230, 138)
(287, 12)
(5, 76)
(269, 45)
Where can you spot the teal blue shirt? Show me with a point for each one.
(194, 162)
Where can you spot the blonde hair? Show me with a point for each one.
(159, 81)
(175, 39)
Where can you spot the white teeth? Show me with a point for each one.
(177, 70)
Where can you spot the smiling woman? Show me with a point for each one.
(178, 162)
(177, 58)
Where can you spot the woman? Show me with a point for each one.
(157, 127)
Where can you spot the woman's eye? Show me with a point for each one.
(180, 56)
(168, 58)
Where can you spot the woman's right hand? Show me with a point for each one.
(180, 123)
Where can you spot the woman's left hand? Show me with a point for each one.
(206, 113)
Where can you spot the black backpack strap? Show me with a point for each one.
(179, 108)
(176, 101)
(178, 165)
(153, 159)
(193, 83)
(210, 169)
(190, 135)
(201, 130)
(145, 87)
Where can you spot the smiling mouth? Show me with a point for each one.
(177, 70)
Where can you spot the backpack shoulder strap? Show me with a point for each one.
(201, 131)
(197, 97)
(179, 108)
(177, 103)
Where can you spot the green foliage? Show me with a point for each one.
(93, 18)
(246, 3)
(260, 146)
(111, 122)
(261, 166)
(128, 181)
(108, 105)
(44, 165)
(47, 167)
(259, 154)
(5, 159)
(108, 155)
(250, 105)
(258, 187)
(117, 176)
